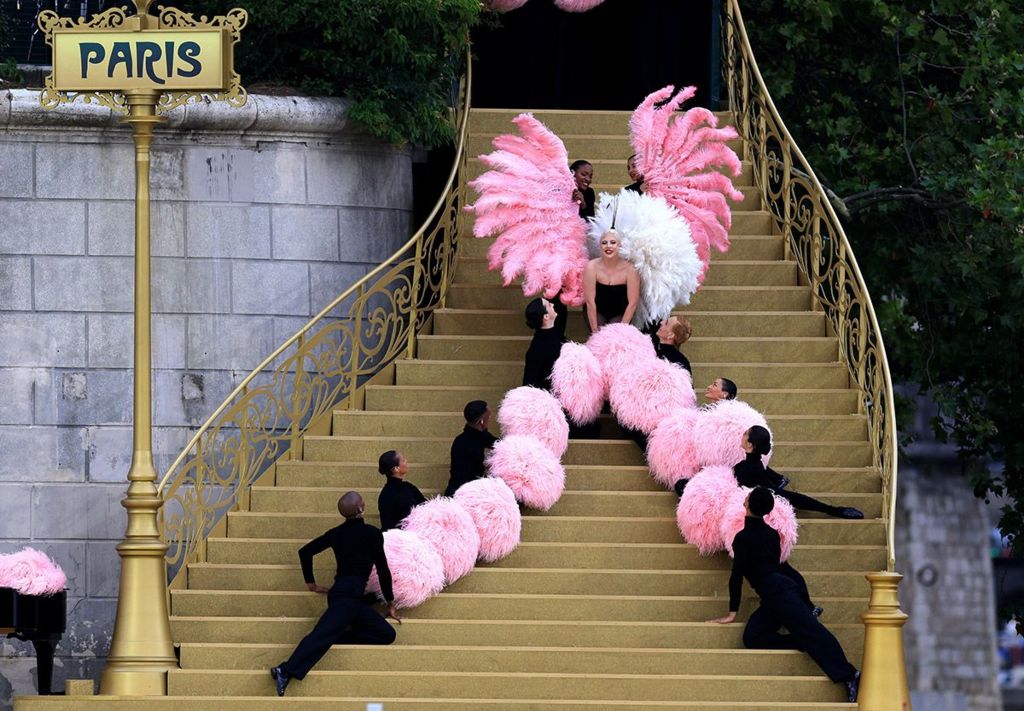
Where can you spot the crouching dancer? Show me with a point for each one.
(756, 553)
(357, 547)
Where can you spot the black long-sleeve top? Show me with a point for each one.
(587, 206)
(752, 472)
(635, 187)
(396, 499)
(357, 547)
(541, 356)
(468, 457)
(670, 353)
(756, 552)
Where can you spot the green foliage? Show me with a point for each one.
(913, 110)
(396, 60)
(9, 71)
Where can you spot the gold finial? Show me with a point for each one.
(142, 6)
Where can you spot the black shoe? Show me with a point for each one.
(281, 679)
(680, 487)
(783, 483)
(818, 609)
(853, 687)
(850, 512)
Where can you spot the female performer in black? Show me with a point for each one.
(398, 496)
(611, 286)
(583, 195)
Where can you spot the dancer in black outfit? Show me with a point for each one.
(757, 441)
(546, 344)
(671, 334)
(398, 496)
(637, 186)
(468, 448)
(357, 547)
(756, 553)
(583, 195)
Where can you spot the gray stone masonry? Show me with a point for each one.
(262, 215)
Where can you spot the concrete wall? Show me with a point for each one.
(262, 216)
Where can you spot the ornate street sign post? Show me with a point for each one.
(142, 65)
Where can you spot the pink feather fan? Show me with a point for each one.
(417, 571)
(679, 160)
(647, 393)
(526, 201)
(577, 5)
(577, 380)
(447, 527)
(534, 412)
(31, 572)
(782, 518)
(494, 510)
(504, 5)
(670, 452)
(530, 469)
(619, 347)
(718, 431)
(700, 510)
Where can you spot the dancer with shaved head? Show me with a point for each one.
(358, 547)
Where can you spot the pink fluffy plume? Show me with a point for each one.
(494, 510)
(670, 454)
(578, 382)
(534, 412)
(526, 201)
(530, 469)
(619, 347)
(718, 431)
(447, 527)
(646, 394)
(31, 572)
(504, 5)
(577, 5)
(680, 157)
(417, 572)
(782, 518)
(700, 510)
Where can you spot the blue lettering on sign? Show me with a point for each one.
(91, 53)
(187, 53)
(140, 59)
(120, 54)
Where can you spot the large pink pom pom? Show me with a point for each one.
(578, 382)
(447, 527)
(670, 454)
(417, 573)
(782, 518)
(700, 510)
(504, 5)
(718, 431)
(530, 469)
(534, 412)
(646, 394)
(619, 347)
(31, 572)
(577, 5)
(494, 510)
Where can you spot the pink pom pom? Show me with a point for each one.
(700, 510)
(447, 527)
(644, 395)
(782, 518)
(536, 413)
(417, 573)
(504, 5)
(670, 454)
(494, 510)
(31, 572)
(718, 431)
(619, 347)
(578, 382)
(530, 469)
(577, 5)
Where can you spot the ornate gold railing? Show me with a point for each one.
(325, 364)
(817, 242)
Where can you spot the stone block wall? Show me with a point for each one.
(262, 216)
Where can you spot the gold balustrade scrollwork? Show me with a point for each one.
(816, 240)
(319, 369)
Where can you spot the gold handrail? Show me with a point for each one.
(322, 365)
(815, 238)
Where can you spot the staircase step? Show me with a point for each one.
(565, 121)
(751, 241)
(595, 146)
(610, 172)
(728, 272)
(578, 477)
(454, 397)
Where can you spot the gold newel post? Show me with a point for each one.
(883, 684)
(142, 65)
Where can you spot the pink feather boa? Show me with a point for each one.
(718, 431)
(447, 527)
(700, 510)
(670, 451)
(620, 347)
(782, 518)
(577, 380)
(647, 393)
(530, 469)
(417, 572)
(31, 572)
(494, 510)
(536, 413)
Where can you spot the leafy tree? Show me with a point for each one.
(913, 112)
(397, 60)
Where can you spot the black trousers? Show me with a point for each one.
(347, 620)
(807, 503)
(782, 605)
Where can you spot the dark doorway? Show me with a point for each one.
(540, 57)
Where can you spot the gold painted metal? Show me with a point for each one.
(141, 651)
(883, 682)
(815, 240)
(319, 369)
